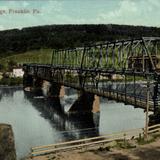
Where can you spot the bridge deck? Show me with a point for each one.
(139, 102)
(122, 95)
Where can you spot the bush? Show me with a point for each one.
(11, 81)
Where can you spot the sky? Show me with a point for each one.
(26, 13)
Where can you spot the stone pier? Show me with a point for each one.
(62, 92)
(96, 104)
(27, 82)
(86, 102)
(56, 90)
(31, 83)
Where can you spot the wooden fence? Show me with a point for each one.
(91, 142)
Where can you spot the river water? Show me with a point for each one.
(39, 121)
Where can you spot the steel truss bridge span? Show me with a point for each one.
(122, 70)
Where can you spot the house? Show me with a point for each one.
(17, 72)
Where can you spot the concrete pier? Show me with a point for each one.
(96, 104)
(86, 102)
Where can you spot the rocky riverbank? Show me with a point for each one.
(7, 146)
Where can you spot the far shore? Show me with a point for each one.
(13, 86)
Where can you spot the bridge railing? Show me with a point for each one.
(124, 89)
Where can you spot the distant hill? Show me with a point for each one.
(35, 56)
(67, 36)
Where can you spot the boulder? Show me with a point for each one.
(7, 146)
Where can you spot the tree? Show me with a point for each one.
(11, 64)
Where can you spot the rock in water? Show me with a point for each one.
(7, 146)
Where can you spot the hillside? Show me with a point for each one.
(66, 36)
(34, 56)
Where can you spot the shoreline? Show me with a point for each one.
(126, 150)
(13, 86)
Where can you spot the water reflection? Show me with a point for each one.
(8, 91)
(37, 120)
(70, 126)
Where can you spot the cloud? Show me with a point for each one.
(132, 12)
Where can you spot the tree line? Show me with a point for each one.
(67, 36)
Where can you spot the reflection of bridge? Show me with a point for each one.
(95, 69)
(69, 126)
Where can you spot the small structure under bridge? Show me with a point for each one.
(123, 70)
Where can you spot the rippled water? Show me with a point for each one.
(39, 121)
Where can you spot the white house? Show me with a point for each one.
(18, 72)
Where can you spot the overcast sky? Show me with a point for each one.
(131, 12)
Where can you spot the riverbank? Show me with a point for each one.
(134, 150)
(146, 152)
(16, 86)
(11, 81)
(7, 146)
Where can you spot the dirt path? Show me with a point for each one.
(143, 152)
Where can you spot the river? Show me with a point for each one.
(39, 120)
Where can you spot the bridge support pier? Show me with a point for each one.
(27, 82)
(96, 104)
(86, 102)
(31, 83)
(37, 86)
(56, 90)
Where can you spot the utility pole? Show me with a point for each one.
(147, 110)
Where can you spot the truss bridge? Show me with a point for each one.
(124, 70)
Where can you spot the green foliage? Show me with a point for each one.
(142, 140)
(11, 81)
(2, 67)
(125, 144)
(11, 64)
(131, 78)
(67, 36)
(35, 56)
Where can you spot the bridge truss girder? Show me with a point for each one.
(92, 68)
(118, 55)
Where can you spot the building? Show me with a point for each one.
(18, 72)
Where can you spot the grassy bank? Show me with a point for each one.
(36, 56)
(11, 81)
(133, 149)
